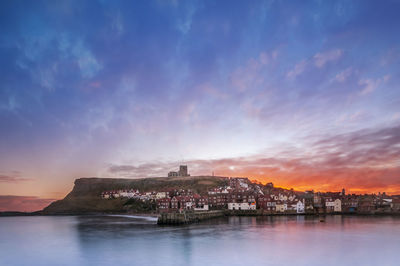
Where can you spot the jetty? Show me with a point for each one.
(188, 217)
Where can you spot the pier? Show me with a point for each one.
(188, 217)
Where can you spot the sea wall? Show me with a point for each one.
(188, 217)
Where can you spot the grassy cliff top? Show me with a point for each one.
(94, 186)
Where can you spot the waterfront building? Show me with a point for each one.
(164, 204)
(349, 204)
(241, 206)
(280, 206)
(366, 204)
(174, 203)
(337, 205)
(329, 205)
(201, 203)
(300, 206)
(203, 208)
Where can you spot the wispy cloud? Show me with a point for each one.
(370, 85)
(249, 75)
(13, 177)
(87, 62)
(344, 75)
(320, 59)
(297, 70)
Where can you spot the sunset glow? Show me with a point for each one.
(301, 94)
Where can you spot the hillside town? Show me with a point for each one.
(242, 195)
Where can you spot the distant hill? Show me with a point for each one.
(85, 196)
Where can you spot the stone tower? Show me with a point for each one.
(183, 170)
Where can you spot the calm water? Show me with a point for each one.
(113, 240)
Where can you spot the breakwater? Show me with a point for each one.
(188, 217)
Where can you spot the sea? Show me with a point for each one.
(135, 240)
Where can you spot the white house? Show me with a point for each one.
(204, 208)
(300, 206)
(161, 195)
(338, 205)
(238, 206)
(241, 206)
(280, 207)
(329, 203)
(189, 204)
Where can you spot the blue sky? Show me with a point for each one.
(88, 86)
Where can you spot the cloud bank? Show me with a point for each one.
(361, 161)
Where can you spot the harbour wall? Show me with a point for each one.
(188, 217)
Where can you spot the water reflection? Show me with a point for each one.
(284, 240)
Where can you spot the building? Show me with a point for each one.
(172, 173)
(239, 183)
(175, 203)
(200, 202)
(183, 171)
(300, 206)
(164, 204)
(241, 197)
(218, 200)
(349, 204)
(262, 202)
(366, 204)
(161, 194)
(329, 205)
(203, 208)
(280, 206)
(243, 206)
(338, 205)
(266, 203)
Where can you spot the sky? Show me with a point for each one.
(303, 94)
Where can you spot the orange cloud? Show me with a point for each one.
(363, 162)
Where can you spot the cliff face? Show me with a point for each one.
(85, 196)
